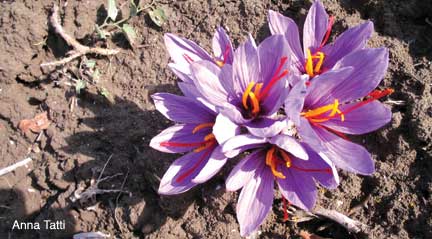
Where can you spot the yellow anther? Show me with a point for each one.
(202, 126)
(286, 158)
(246, 94)
(220, 63)
(255, 103)
(316, 115)
(320, 57)
(271, 161)
(209, 137)
(309, 64)
(257, 89)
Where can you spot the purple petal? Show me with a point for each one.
(308, 135)
(266, 127)
(290, 145)
(183, 52)
(222, 43)
(255, 201)
(216, 161)
(206, 78)
(180, 72)
(320, 91)
(243, 141)
(233, 113)
(182, 109)
(328, 179)
(315, 27)
(245, 170)
(345, 154)
(177, 178)
(224, 129)
(180, 133)
(280, 24)
(298, 188)
(365, 119)
(351, 40)
(370, 66)
(295, 101)
(245, 65)
(270, 60)
(190, 91)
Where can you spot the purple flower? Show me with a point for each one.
(192, 133)
(183, 52)
(343, 101)
(316, 56)
(294, 167)
(253, 89)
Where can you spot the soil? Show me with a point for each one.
(78, 142)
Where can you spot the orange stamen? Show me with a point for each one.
(255, 103)
(246, 94)
(202, 126)
(271, 161)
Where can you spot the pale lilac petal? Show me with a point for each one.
(180, 133)
(182, 109)
(226, 80)
(242, 140)
(290, 145)
(315, 27)
(320, 91)
(173, 182)
(206, 78)
(295, 101)
(328, 179)
(245, 65)
(221, 43)
(351, 40)
(266, 127)
(363, 120)
(180, 72)
(233, 113)
(255, 201)
(216, 161)
(189, 90)
(224, 129)
(298, 188)
(308, 135)
(280, 24)
(183, 52)
(276, 97)
(345, 154)
(370, 66)
(245, 170)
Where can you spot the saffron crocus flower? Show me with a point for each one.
(183, 52)
(317, 56)
(281, 159)
(343, 101)
(192, 134)
(252, 90)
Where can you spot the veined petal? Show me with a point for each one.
(270, 59)
(245, 170)
(206, 78)
(190, 91)
(370, 66)
(315, 27)
(183, 52)
(364, 119)
(224, 129)
(295, 101)
(221, 43)
(298, 188)
(280, 24)
(351, 40)
(179, 133)
(266, 127)
(170, 184)
(240, 141)
(182, 109)
(245, 65)
(320, 91)
(255, 201)
(216, 161)
(181, 72)
(290, 145)
(345, 154)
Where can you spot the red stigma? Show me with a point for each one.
(184, 175)
(328, 32)
(276, 77)
(286, 203)
(188, 58)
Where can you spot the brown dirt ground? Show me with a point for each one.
(77, 144)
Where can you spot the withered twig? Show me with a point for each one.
(11, 168)
(350, 224)
(78, 49)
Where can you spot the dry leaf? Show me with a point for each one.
(36, 125)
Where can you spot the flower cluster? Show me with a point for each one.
(288, 107)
